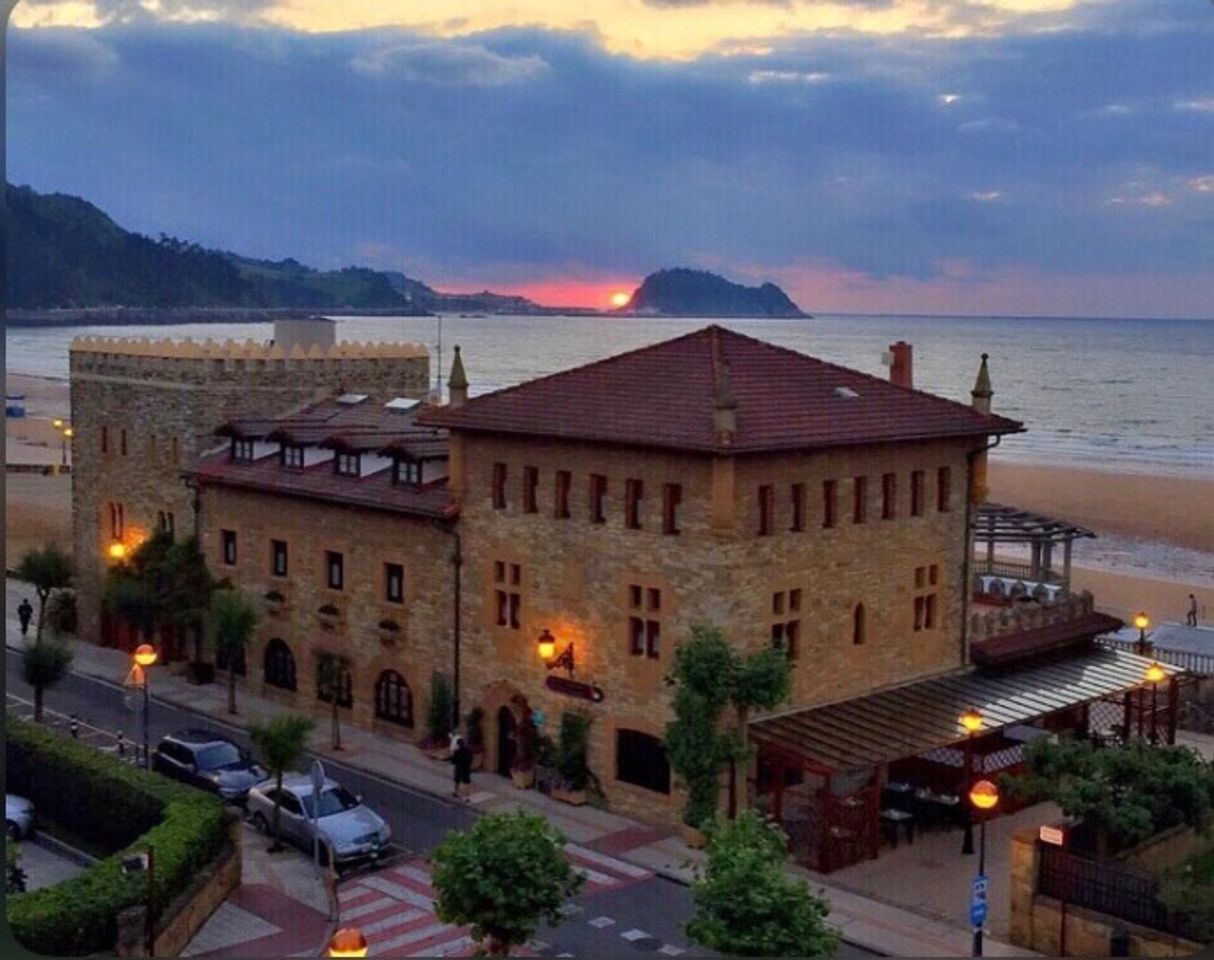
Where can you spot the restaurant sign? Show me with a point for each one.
(574, 688)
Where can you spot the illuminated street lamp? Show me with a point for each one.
(983, 797)
(348, 942)
(1154, 674)
(65, 434)
(971, 722)
(1142, 621)
(144, 656)
(117, 550)
(545, 646)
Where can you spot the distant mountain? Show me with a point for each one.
(63, 252)
(681, 292)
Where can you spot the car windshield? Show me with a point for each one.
(334, 800)
(218, 755)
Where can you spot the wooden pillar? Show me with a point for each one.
(1173, 709)
(990, 555)
(1035, 562)
(1125, 717)
(1047, 551)
(1066, 564)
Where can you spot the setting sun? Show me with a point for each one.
(619, 298)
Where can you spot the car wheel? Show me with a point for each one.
(260, 825)
(14, 832)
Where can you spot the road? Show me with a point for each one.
(419, 821)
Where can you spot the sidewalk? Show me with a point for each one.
(877, 926)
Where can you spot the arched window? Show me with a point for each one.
(393, 699)
(221, 659)
(279, 665)
(857, 624)
(339, 683)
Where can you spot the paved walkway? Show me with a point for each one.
(879, 926)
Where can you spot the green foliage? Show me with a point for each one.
(46, 569)
(572, 744)
(438, 713)
(746, 905)
(120, 807)
(280, 742)
(231, 623)
(61, 615)
(503, 878)
(43, 664)
(1124, 794)
(710, 676)
(14, 876)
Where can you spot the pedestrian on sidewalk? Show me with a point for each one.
(1190, 618)
(462, 760)
(25, 613)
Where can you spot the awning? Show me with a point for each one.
(908, 720)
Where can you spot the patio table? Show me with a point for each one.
(891, 819)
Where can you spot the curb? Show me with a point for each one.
(65, 850)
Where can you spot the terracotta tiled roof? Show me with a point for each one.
(1051, 639)
(664, 396)
(319, 482)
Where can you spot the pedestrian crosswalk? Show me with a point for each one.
(394, 907)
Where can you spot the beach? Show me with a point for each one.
(1148, 513)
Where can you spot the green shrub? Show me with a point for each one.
(572, 746)
(61, 612)
(124, 809)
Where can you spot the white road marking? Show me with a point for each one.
(611, 863)
(601, 922)
(634, 934)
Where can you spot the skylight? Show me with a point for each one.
(350, 399)
(401, 404)
(846, 392)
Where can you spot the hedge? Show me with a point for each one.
(125, 809)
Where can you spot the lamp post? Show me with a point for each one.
(145, 656)
(65, 434)
(983, 796)
(545, 646)
(348, 942)
(1142, 621)
(971, 720)
(1154, 674)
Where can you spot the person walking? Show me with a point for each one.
(462, 759)
(1190, 618)
(25, 613)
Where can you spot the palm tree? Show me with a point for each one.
(279, 745)
(331, 673)
(47, 570)
(231, 621)
(43, 664)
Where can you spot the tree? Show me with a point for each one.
(758, 681)
(47, 570)
(746, 905)
(332, 674)
(43, 664)
(231, 622)
(503, 878)
(280, 743)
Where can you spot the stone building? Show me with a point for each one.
(143, 411)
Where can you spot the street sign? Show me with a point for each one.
(318, 784)
(977, 913)
(980, 887)
(1055, 836)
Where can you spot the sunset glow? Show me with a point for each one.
(619, 298)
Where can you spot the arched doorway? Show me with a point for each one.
(505, 740)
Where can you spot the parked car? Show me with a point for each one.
(349, 830)
(18, 816)
(207, 760)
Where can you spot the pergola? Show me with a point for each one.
(994, 523)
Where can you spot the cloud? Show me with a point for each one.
(787, 76)
(449, 64)
(992, 124)
(986, 196)
(1203, 184)
(1200, 105)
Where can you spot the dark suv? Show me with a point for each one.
(207, 760)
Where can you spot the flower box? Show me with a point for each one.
(573, 797)
(523, 778)
(694, 837)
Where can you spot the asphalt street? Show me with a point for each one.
(419, 821)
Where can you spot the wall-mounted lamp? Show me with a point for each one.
(545, 646)
(117, 550)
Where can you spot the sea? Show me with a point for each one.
(1125, 395)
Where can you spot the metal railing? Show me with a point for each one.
(1015, 570)
(1198, 664)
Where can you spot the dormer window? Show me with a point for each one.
(292, 456)
(407, 473)
(242, 450)
(348, 464)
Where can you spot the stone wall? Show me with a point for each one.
(154, 404)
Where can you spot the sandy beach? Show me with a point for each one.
(1170, 510)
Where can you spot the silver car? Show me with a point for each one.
(349, 830)
(18, 816)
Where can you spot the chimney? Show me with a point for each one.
(457, 383)
(982, 392)
(901, 373)
(724, 404)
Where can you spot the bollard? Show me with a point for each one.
(121, 744)
(74, 728)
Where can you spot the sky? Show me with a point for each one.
(1034, 157)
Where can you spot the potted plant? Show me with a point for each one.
(522, 771)
(573, 774)
(474, 733)
(437, 744)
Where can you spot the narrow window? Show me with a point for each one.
(798, 507)
(292, 456)
(777, 603)
(889, 496)
(516, 606)
(917, 484)
(348, 464)
(858, 626)
(122, 441)
(653, 637)
(786, 627)
(859, 506)
(394, 583)
(334, 566)
(499, 486)
(792, 637)
(117, 524)
(944, 483)
(598, 498)
(161, 523)
(919, 605)
(407, 472)
(105, 439)
(672, 500)
(644, 625)
(929, 611)
(278, 558)
(633, 493)
(508, 602)
(767, 505)
(830, 503)
(228, 538)
(636, 636)
(531, 483)
(564, 479)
